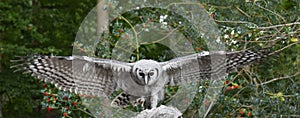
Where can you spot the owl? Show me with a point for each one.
(143, 82)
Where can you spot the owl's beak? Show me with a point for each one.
(146, 80)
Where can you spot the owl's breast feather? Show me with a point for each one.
(128, 85)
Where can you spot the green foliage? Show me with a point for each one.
(269, 88)
(28, 26)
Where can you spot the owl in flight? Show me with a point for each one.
(142, 81)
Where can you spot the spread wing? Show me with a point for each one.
(79, 74)
(208, 65)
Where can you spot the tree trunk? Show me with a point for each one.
(1, 115)
(0, 53)
(1, 107)
(102, 18)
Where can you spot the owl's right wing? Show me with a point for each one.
(208, 65)
(79, 74)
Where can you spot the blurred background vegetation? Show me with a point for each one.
(270, 88)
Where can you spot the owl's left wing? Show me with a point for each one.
(208, 65)
(79, 74)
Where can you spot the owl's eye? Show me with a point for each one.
(151, 73)
(141, 74)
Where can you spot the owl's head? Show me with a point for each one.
(146, 72)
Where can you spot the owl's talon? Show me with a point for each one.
(121, 100)
(139, 101)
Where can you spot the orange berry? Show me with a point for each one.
(226, 82)
(74, 103)
(212, 15)
(249, 114)
(48, 100)
(235, 86)
(49, 108)
(120, 30)
(187, 101)
(228, 88)
(241, 111)
(46, 94)
(66, 98)
(44, 85)
(150, 20)
(65, 114)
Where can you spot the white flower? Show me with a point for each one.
(232, 32)
(162, 18)
(226, 36)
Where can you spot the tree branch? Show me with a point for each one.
(280, 25)
(284, 48)
(236, 22)
(280, 78)
(270, 11)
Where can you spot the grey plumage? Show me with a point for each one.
(144, 79)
